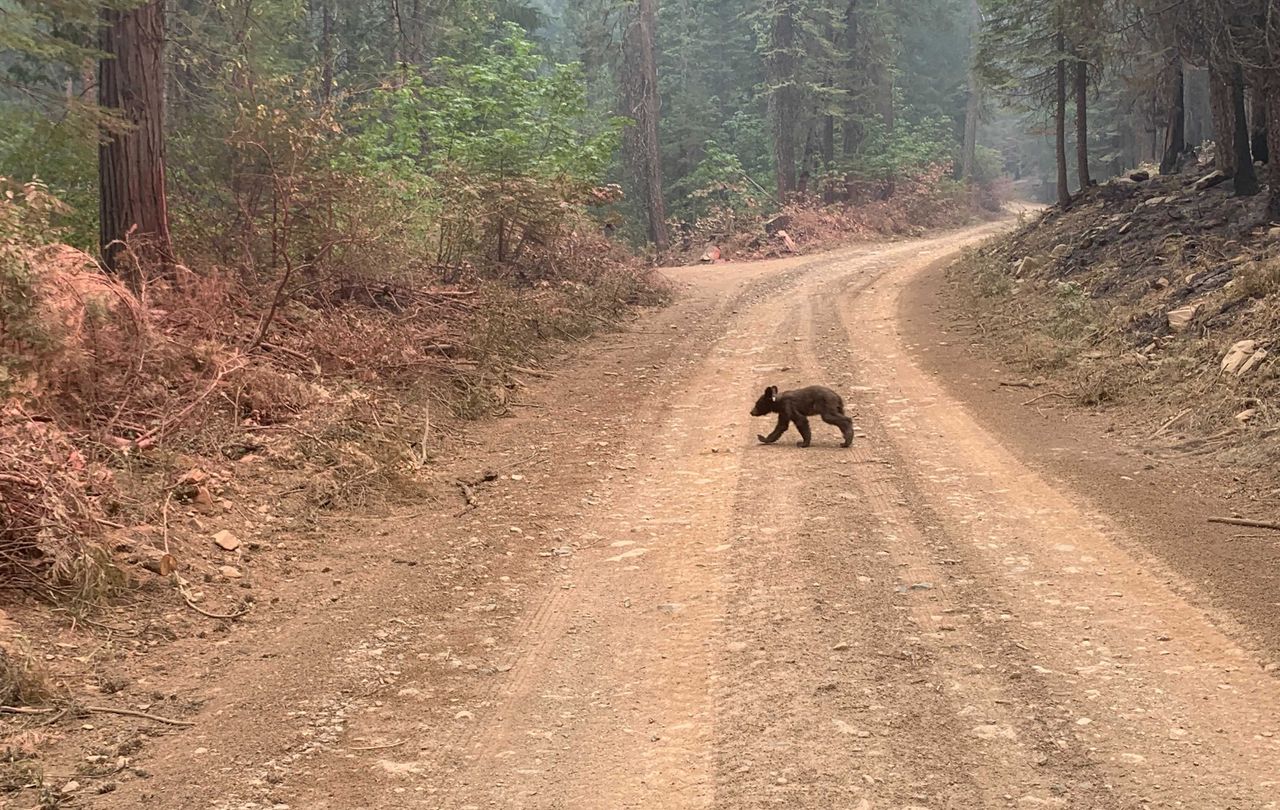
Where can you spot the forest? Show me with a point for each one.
(212, 206)
(225, 128)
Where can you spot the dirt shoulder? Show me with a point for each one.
(1161, 498)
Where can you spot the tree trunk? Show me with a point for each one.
(1175, 138)
(640, 92)
(132, 203)
(1246, 179)
(1258, 122)
(852, 129)
(1224, 124)
(1273, 147)
(973, 109)
(828, 157)
(326, 51)
(1060, 125)
(782, 101)
(1082, 121)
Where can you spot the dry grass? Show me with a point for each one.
(126, 387)
(22, 681)
(929, 201)
(1092, 322)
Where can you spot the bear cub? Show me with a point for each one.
(794, 408)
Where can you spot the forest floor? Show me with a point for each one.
(979, 605)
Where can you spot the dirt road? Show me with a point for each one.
(651, 610)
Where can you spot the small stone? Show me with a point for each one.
(464, 715)
(1246, 415)
(1060, 252)
(1182, 317)
(841, 647)
(226, 540)
(1237, 356)
(230, 572)
(1140, 176)
(70, 787)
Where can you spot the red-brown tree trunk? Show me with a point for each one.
(782, 99)
(132, 203)
(640, 94)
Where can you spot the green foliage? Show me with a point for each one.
(907, 149)
(27, 212)
(508, 112)
(60, 153)
(719, 182)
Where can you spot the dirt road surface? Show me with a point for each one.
(648, 609)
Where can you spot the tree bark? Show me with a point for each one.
(1224, 124)
(1246, 179)
(1175, 138)
(1082, 121)
(782, 99)
(640, 91)
(852, 130)
(1258, 122)
(131, 173)
(973, 108)
(1060, 124)
(1273, 147)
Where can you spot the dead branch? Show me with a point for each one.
(1160, 431)
(383, 747)
(1253, 524)
(96, 710)
(1045, 394)
(533, 372)
(144, 715)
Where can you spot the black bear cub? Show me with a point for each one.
(794, 407)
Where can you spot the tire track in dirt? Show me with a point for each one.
(1138, 678)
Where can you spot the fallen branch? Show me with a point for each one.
(144, 715)
(25, 710)
(382, 747)
(1017, 384)
(533, 372)
(97, 710)
(177, 579)
(1252, 524)
(244, 609)
(1169, 423)
(1045, 394)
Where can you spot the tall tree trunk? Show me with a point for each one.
(973, 109)
(1082, 120)
(1175, 137)
(782, 99)
(1273, 148)
(852, 130)
(1246, 179)
(132, 202)
(640, 93)
(1060, 124)
(1224, 123)
(1258, 121)
(828, 157)
(326, 50)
